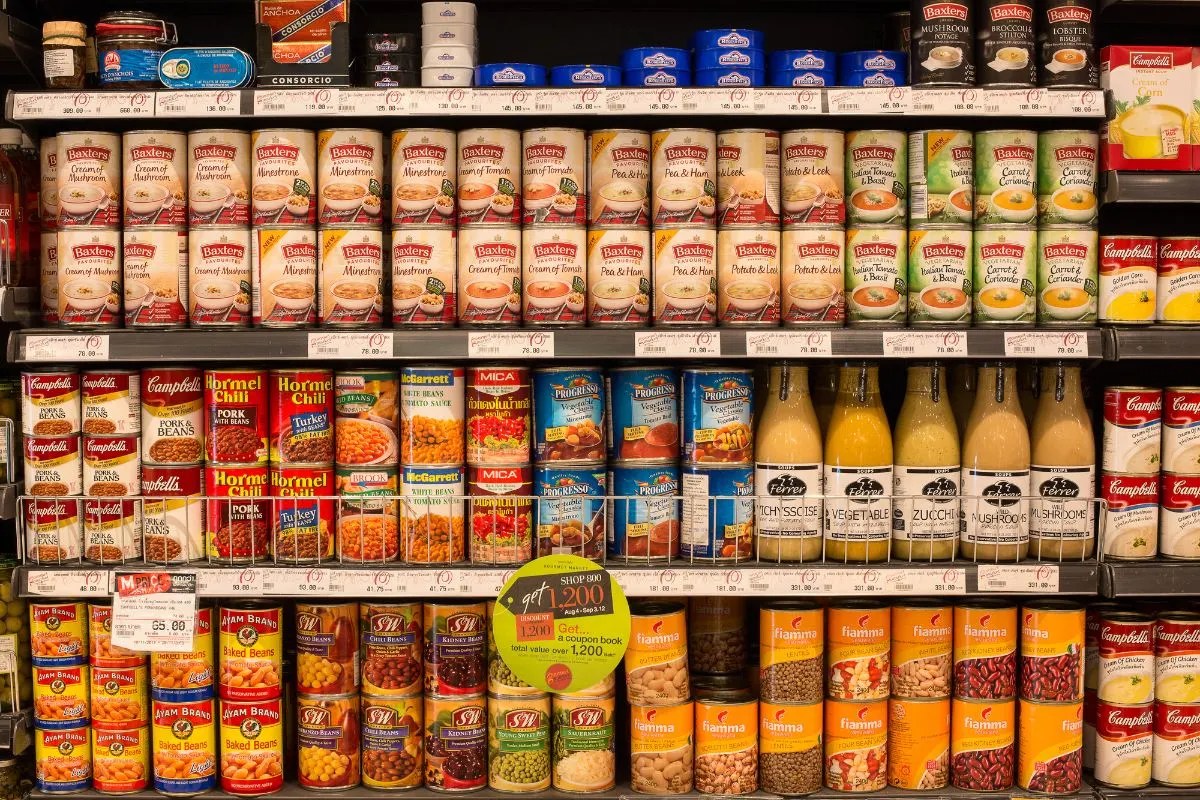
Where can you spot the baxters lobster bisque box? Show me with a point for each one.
(1151, 88)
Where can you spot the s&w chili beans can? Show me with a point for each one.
(393, 742)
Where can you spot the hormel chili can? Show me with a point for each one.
(235, 416)
(1179, 529)
(302, 512)
(1181, 430)
(1124, 743)
(1131, 518)
(237, 525)
(112, 401)
(301, 429)
(1128, 278)
(500, 514)
(1132, 429)
(1178, 280)
(1126, 665)
(1176, 744)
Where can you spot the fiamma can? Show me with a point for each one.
(283, 263)
(553, 277)
(89, 278)
(1124, 744)
(155, 179)
(1050, 746)
(88, 179)
(219, 180)
(922, 648)
(1126, 665)
(683, 166)
(618, 280)
(489, 277)
(1177, 657)
(918, 743)
(424, 168)
(748, 177)
(50, 402)
(812, 265)
(1179, 527)
(219, 278)
(859, 651)
(350, 265)
(1176, 743)
(350, 177)
(424, 277)
(661, 732)
(283, 176)
(553, 176)
(1181, 430)
(1178, 280)
(748, 277)
(1132, 430)
(982, 744)
(1051, 662)
(1128, 278)
(812, 181)
(856, 745)
(619, 178)
(155, 264)
(787, 731)
(685, 277)
(112, 401)
(49, 277)
(726, 733)
(1131, 515)
(489, 177)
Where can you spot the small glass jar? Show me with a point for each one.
(63, 54)
(128, 47)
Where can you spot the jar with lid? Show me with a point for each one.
(63, 52)
(129, 45)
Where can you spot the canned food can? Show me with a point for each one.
(1178, 279)
(500, 514)
(922, 650)
(1179, 517)
(942, 48)
(660, 737)
(120, 698)
(813, 183)
(431, 517)
(1005, 276)
(876, 177)
(219, 178)
(1131, 516)
(1181, 430)
(726, 743)
(519, 743)
(1067, 276)
(1132, 430)
(643, 415)
(489, 177)
(1126, 658)
(1006, 177)
(112, 402)
(425, 276)
(101, 651)
(458, 725)
(88, 281)
(53, 533)
(941, 179)
(1050, 746)
(812, 265)
(48, 280)
(748, 277)
(876, 276)
(583, 726)
(1068, 164)
(683, 168)
(172, 415)
(121, 760)
(859, 651)
(367, 394)
(717, 409)
(392, 643)
(717, 635)
(553, 176)
(393, 742)
(985, 650)
(173, 513)
(155, 268)
(235, 425)
(350, 266)
(251, 638)
(656, 661)
(327, 648)
(618, 278)
(53, 465)
(1176, 657)
(856, 732)
(188, 676)
(570, 506)
(63, 759)
(569, 415)
(717, 517)
(112, 530)
(455, 649)
(61, 697)
(499, 401)
(1067, 45)
(283, 177)
(251, 746)
(303, 522)
(685, 277)
(748, 178)
(327, 734)
(350, 177)
(220, 278)
(424, 168)
(791, 652)
(939, 277)
(48, 186)
(368, 527)
(619, 178)
(1007, 49)
(58, 633)
(283, 265)
(185, 746)
(1051, 663)
(983, 735)
(50, 402)
(155, 179)
(302, 403)
(918, 743)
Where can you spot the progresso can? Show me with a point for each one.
(643, 529)
(718, 512)
(568, 414)
(643, 413)
(717, 411)
(570, 510)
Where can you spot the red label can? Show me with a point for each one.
(1181, 430)
(172, 415)
(1176, 742)
(53, 466)
(112, 466)
(1179, 524)
(1132, 429)
(238, 529)
(1131, 521)
(112, 401)
(1125, 643)
(301, 429)
(252, 747)
(1178, 279)
(1128, 252)
(121, 760)
(500, 514)
(173, 513)
(303, 522)
(50, 402)
(499, 402)
(53, 533)
(1176, 656)
(235, 416)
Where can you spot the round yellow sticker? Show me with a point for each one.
(561, 623)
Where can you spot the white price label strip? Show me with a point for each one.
(68, 583)
(1015, 102)
(789, 344)
(365, 344)
(305, 581)
(67, 347)
(582, 100)
(716, 101)
(924, 344)
(668, 100)
(225, 103)
(125, 104)
(374, 101)
(229, 581)
(788, 101)
(46, 105)
(653, 344)
(945, 102)
(1040, 578)
(1046, 344)
(882, 100)
(368, 583)
(297, 102)
(1075, 103)
(154, 611)
(511, 344)
(509, 101)
(442, 101)
(926, 580)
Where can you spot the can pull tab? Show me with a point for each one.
(1060, 383)
(862, 384)
(785, 381)
(934, 379)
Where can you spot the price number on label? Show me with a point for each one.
(789, 344)
(374, 344)
(858, 581)
(1046, 344)
(69, 583)
(788, 101)
(1074, 103)
(570, 101)
(374, 101)
(882, 100)
(511, 344)
(716, 101)
(945, 101)
(1015, 102)
(925, 344)
(649, 344)
(197, 104)
(56, 347)
(1018, 578)
(225, 582)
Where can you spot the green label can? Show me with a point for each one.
(941, 177)
(1005, 276)
(1067, 167)
(1005, 177)
(876, 269)
(1067, 281)
(939, 276)
(518, 743)
(876, 177)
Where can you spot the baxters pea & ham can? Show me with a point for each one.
(619, 178)
(683, 170)
(685, 277)
(618, 278)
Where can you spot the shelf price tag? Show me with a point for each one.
(580, 100)
(1046, 344)
(926, 580)
(508, 101)
(154, 611)
(297, 102)
(1016, 102)
(667, 344)
(924, 344)
(857, 580)
(881, 100)
(304, 581)
(485, 581)
(1076, 103)
(716, 101)
(368, 583)
(50, 105)
(224, 103)
(511, 344)
(67, 347)
(230, 581)
(945, 102)
(125, 104)
(800, 100)
(68, 583)
(374, 101)
(441, 101)
(806, 581)
(364, 344)
(435, 582)
(1018, 578)
(789, 344)
(667, 100)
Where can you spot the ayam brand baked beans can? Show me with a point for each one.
(172, 415)
(1132, 430)
(1178, 280)
(922, 647)
(1181, 430)
(619, 178)
(301, 428)
(856, 745)
(554, 277)
(252, 745)
(748, 177)
(1176, 657)
(656, 661)
(48, 282)
(155, 179)
(424, 277)
(88, 179)
(235, 416)
(111, 401)
(350, 177)
(1179, 517)
(812, 181)
(185, 746)
(61, 696)
(350, 265)
(237, 519)
(618, 278)
(784, 731)
(59, 634)
(48, 187)
(120, 698)
(1049, 746)
(53, 533)
(393, 742)
(186, 677)
(173, 513)
(748, 277)
(489, 177)
(500, 514)
(918, 743)
(1124, 744)
(499, 402)
(50, 402)
(1128, 276)
(327, 648)
(812, 263)
(53, 465)
(303, 523)
(456, 727)
(219, 178)
(391, 641)
(89, 278)
(283, 177)
(251, 650)
(432, 414)
(683, 169)
(489, 277)
(553, 176)
(791, 651)
(424, 168)
(283, 263)
(220, 278)
(327, 734)
(661, 746)
(726, 760)
(685, 277)
(982, 744)
(112, 530)
(455, 649)
(1176, 743)
(1125, 644)
(1051, 655)
(63, 759)
(985, 650)
(1131, 515)
(112, 466)
(858, 651)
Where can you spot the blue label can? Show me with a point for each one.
(570, 510)
(804, 78)
(873, 61)
(726, 59)
(643, 413)
(656, 77)
(120, 65)
(877, 78)
(510, 74)
(803, 60)
(718, 410)
(568, 414)
(643, 529)
(718, 512)
(585, 75)
(727, 38)
(731, 77)
(652, 58)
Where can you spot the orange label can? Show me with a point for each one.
(726, 744)
(859, 651)
(180, 677)
(1052, 651)
(661, 748)
(120, 700)
(856, 736)
(922, 648)
(656, 661)
(791, 639)
(328, 734)
(918, 743)
(1050, 746)
(185, 746)
(60, 696)
(121, 760)
(58, 633)
(252, 747)
(787, 728)
(983, 735)
(102, 652)
(251, 651)
(63, 759)
(327, 648)
(985, 651)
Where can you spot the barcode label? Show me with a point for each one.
(919, 201)
(682, 343)
(365, 344)
(924, 344)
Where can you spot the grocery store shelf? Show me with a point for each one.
(1161, 341)
(1151, 792)
(16, 731)
(1150, 187)
(1150, 578)
(18, 304)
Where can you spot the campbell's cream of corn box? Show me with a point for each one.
(1147, 127)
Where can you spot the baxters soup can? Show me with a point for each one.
(812, 182)
(748, 178)
(619, 178)
(219, 178)
(350, 177)
(1004, 276)
(155, 179)
(350, 266)
(1067, 276)
(685, 277)
(424, 277)
(876, 177)
(424, 168)
(683, 166)
(489, 277)
(553, 176)
(748, 277)
(284, 177)
(554, 277)
(618, 278)
(876, 276)
(489, 177)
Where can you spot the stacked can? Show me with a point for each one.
(367, 407)
(220, 274)
(120, 709)
(941, 190)
(424, 246)
(489, 227)
(729, 57)
(112, 465)
(569, 441)
(61, 695)
(857, 687)
(497, 431)
(748, 237)
(457, 719)
(51, 421)
(350, 252)
(1181, 472)
(1050, 716)
(727, 714)
(327, 701)
(643, 463)
(1178, 280)
(1133, 444)
(236, 431)
(1175, 637)
(618, 229)
(717, 477)
(301, 527)
(1119, 693)
(984, 715)
(876, 198)
(1067, 208)
(250, 688)
(48, 249)
(1128, 273)
(392, 709)
(432, 471)
(184, 714)
(919, 708)
(658, 687)
(791, 658)
(554, 251)
(283, 241)
(812, 254)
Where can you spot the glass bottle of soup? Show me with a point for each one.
(824, 391)
(1027, 389)
(788, 469)
(1063, 469)
(995, 471)
(925, 487)
(858, 469)
(962, 394)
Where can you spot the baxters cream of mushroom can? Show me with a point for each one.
(554, 277)
(812, 264)
(489, 177)
(683, 168)
(489, 277)
(424, 277)
(283, 262)
(350, 265)
(424, 168)
(812, 177)
(748, 277)
(685, 277)
(553, 176)
(88, 179)
(218, 178)
(748, 177)
(49, 277)
(155, 181)
(155, 264)
(618, 266)
(283, 177)
(350, 177)
(619, 178)
(89, 278)
(219, 278)
(48, 161)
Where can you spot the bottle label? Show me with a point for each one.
(995, 507)
(1062, 507)
(58, 63)
(925, 520)
(858, 504)
(789, 500)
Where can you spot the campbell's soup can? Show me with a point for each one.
(619, 178)
(683, 167)
(489, 177)
(489, 277)
(112, 401)
(219, 178)
(1177, 657)
(424, 277)
(1131, 515)
(748, 278)
(618, 278)
(1128, 279)
(1132, 430)
(1179, 526)
(554, 277)
(88, 179)
(553, 176)
(1124, 744)
(155, 265)
(1125, 669)
(350, 266)
(283, 177)
(219, 278)
(1181, 430)
(685, 277)
(1178, 280)
(812, 267)
(812, 181)
(283, 262)
(424, 168)
(1176, 744)
(748, 177)
(89, 278)
(155, 179)
(350, 177)
(50, 402)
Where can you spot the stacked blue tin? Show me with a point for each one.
(656, 66)
(803, 68)
(873, 68)
(729, 57)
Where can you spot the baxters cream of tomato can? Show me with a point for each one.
(89, 278)
(155, 179)
(1132, 430)
(489, 277)
(283, 176)
(683, 168)
(1181, 430)
(1178, 280)
(88, 179)
(489, 177)
(1131, 515)
(219, 278)
(350, 265)
(618, 268)
(424, 277)
(748, 277)
(1179, 525)
(812, 269)
(350, 177)
(283, 262)
(685, 277)
(554, 277)
(553, 176)
(155, 264)
(748, 177)
(424, 168)
(1128, 277)
(619, 178)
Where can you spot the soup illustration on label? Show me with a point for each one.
(1067, 166)
(619, 178)
(685, 277)
(813, 184)
(748, 277)
(618, 264)
(683, 166)
(812, 263)
(1005, 276)
(876, 270)
(553, 176)
(1067, 287)
(941, 176)
(554, 276)
(876, 177)
(424, 166)
(424, 287)
(489, 177)
(351, 270)
(349, 177)
(219, 277)
(1005, 177)
(89, 277)
(489, 274)
(939, 276)
(284, 264)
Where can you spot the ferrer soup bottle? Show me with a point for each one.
(1063, 471)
